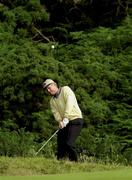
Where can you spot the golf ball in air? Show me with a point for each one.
(52, 46)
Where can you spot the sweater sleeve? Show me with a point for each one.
(55, 112)
(70, 100)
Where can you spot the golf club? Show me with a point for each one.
(47, 142)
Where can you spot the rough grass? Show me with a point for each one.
(42, 166)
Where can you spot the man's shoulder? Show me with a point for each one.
(66, 88)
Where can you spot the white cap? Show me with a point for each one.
(47, 82)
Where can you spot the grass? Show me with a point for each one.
(51, 169)
(42, 166)
(120, 174)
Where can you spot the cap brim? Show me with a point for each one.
(44, 87)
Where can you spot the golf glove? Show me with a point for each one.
(64, 123)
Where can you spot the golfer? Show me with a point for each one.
(67, 113)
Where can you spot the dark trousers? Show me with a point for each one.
(66, 138)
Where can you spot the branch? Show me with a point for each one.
(44, 37)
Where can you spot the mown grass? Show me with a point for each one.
(38, 166)
(120, 174)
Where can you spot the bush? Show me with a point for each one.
(15, 143)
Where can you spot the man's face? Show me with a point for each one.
(52, 89)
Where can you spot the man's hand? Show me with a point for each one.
(63, 123)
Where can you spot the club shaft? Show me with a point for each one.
(46, 142)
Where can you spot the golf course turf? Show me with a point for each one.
(121, 174)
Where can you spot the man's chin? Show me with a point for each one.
(51, 94)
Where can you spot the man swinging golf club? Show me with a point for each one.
(67, 113)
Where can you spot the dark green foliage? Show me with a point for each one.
(85, 14)
(16, 143)
(21, 17)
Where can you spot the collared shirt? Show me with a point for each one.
(64, 105)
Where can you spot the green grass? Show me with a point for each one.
(122, 174)
(42, 166)
(48, 169)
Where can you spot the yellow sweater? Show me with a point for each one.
(65, 105)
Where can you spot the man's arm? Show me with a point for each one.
(55, 112)
(70, 100)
